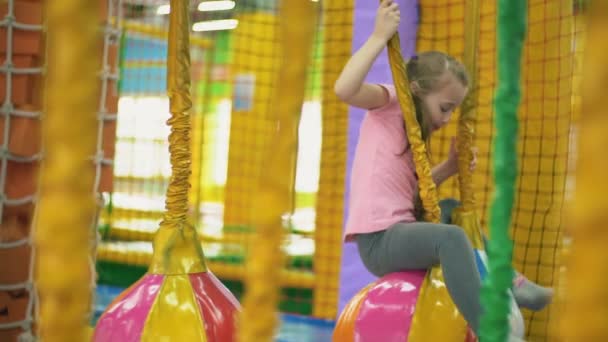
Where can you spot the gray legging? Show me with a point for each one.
(420, 245)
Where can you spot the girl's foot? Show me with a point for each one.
(530, 295)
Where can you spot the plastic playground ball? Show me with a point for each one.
(184, 307)
(384, 310)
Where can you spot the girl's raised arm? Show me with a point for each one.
(350, 86)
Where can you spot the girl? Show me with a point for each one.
(382, 218)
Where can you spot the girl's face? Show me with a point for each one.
(439, 104)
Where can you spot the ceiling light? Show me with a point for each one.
(215, 25)
(205, 6)
(163, 10)
(208, 6)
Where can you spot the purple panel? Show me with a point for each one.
(353, 275)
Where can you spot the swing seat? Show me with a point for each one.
(386, 310)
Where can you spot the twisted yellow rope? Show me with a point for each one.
(427, 187)
(468, 114)
(259, 318)
(437, 318)
(67, 205)
(466, 217)
(586, 295)
(176, 246)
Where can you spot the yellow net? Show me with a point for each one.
(336, 29)
(235, 65)
(142, 166)
(235, 52)
(274, 194)
(545, 123)
(23, 55)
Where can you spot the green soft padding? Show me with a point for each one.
(511, 33)
(117, 274)
(299, 262)
(234, 229)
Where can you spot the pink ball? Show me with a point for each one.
(382, 311)
(167, 307)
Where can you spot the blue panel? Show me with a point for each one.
(139, 77)
(304, 329)
(145, 49)
(145, 80)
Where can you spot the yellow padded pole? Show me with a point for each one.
(67, 205)
(337, 25)
(586, 297)
(276, 189)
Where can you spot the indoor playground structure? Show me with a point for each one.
(178, 170)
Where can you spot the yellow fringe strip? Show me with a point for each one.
(67, 204)
(586, 295)
(276, 188)
(176, 246)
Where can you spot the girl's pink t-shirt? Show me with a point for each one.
(383, 178)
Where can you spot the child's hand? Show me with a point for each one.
(387, 20)
(453, 157)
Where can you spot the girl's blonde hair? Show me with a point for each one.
(426, 70)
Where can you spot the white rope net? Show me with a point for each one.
(12, 245)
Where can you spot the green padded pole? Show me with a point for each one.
(511, 30)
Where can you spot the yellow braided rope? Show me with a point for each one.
(176, 246)
(466, 217)
(275, 196)
(468, 114)
(437, 318)
(428, 190)
(67, 205)
(586, 295)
